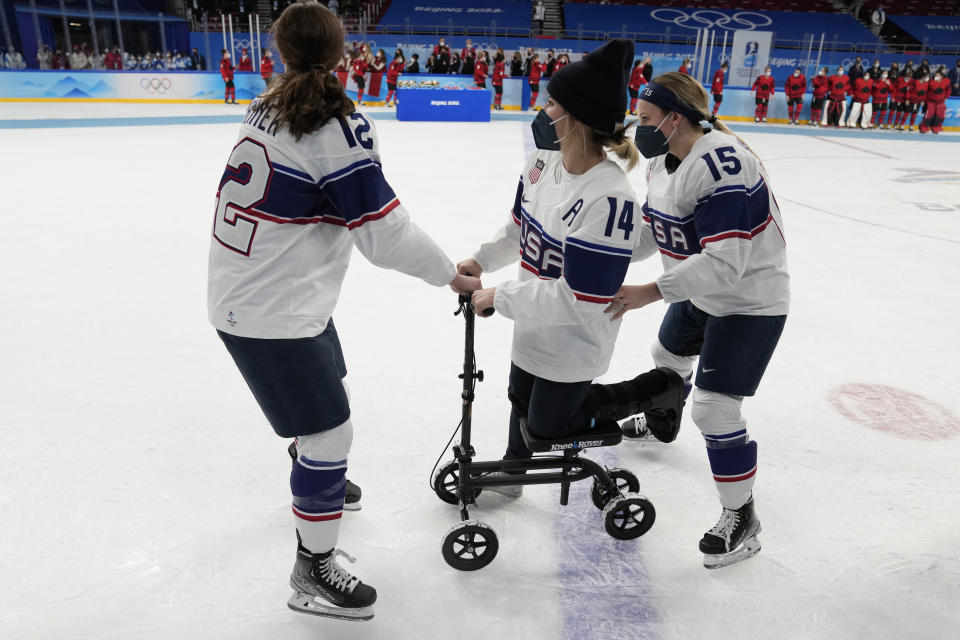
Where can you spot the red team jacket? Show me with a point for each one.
(559, 65)
(764, 86)
(918, 92)
(901, 90)
(683, 69)
(536, 69)
(359, 67)
(637, 79)
(717, 87)
(480, 72)
(498, 73)
(938, 92)
(838, 86)
(226, 69)
(862, 89)
(795, 86)
(881, 90)
(266, 68)
(394, 70)
(245, 64)
(820, 84)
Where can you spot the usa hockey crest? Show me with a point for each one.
(534, 174)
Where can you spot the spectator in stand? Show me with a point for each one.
(877, 21)
(881, 99)
(901, 99)
(393, 75)
(430, 65)
(44, 57)
(918, 97)
(358, 69)
(838, 86)
(633, 85)
(499, 71)
(13, 60)
(437, 48)
(143, 62)
(954, 77)
(468, 64)
(266, 67)
(536, 70)
(245, 63)
(894, 73)
(875, 71)
(59, 60)
(716, 87)
(686, 67)
(77, 59)
(763, 89)
(550, 63)
(197, 61)
(334, 6)
(563, 61)
(455, 64)
(924, 69)
(516, 65)
(937, 93)
(480, 71)
(414, 66)
(528, 59)
(467, 49)
(647, 69)
(539, 13)
(795, 87)
(856, 70)
(226, 72)
(443, 61)
(860, 107)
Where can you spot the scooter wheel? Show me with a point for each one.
(626, 483)
(629, 516)
(470, 545)
(445, 483)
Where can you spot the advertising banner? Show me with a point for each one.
(145, 86)
(750, 54)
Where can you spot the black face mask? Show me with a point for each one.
(650, 140)
(544, 133)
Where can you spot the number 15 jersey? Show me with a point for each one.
(717, 226)
(288, 213)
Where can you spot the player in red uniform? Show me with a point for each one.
(901, 99)
(686, 67)
(716, 88)
(795, 87)
(861, 91)
(358, 69)
(499, 71)
(562, 61)
(637, 80)
(763, 88)
(918, 97)
(820, 87)
(536, 70)
(393, 74)
(266, 67)
(245, 63)
(937, 92)
(838, 86)
(480, 70)
(226, 72)
(881, 97)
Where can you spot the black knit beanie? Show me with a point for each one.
(594, 90)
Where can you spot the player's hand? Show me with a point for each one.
(482, 300)
(633, 297)
(470, 267)
(465, 284)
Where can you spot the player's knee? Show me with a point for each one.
(683, 365)
(717, 414)
(331, 445)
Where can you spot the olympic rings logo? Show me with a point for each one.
(706, 18)
(155, 85)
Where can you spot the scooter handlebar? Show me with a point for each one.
(466, 300)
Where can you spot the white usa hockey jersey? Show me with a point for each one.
(288, 214)
(718, 229)
(574, 236)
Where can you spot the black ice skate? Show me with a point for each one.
(351, 501)
(733, 538)
(323, 588)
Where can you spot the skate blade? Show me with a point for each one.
(351, 506)
(748, 549)
(313, 605)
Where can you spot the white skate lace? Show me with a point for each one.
(729, 520)
(336, 575)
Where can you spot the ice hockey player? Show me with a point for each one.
(358, 69)
(901, 99)
(637, 80)
(305, 173)
(266, 67)
(711, 214)
(496, 80)
(245, 63)
(838, 86)
(918, 97)
(716, 88)
(393, 76)
(536, 70)
(763, 90)
(937, 93)
(881, 99)
(226, 72)
(821, 86)
(574, 254)
(795, 87)
(860, 106)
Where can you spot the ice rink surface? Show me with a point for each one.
(143, 495)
